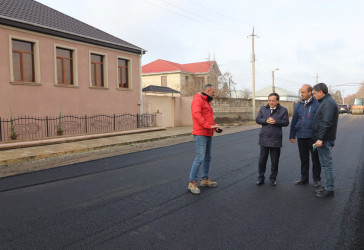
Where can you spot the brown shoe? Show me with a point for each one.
(192, 186)
(208, 183)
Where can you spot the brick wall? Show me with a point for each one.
(177, 110)
(228, 110)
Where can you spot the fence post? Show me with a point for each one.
(47, 126)
(1, 131)
(114, 122)
(138, 122)
(86, 123)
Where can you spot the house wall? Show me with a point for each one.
(177, 110)
(173, 80)
(161, 104)
(182, 109)
(47, 98)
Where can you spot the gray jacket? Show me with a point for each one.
(271, 134)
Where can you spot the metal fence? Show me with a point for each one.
(25, 128)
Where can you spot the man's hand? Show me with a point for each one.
(270, 120)
(293, 140)
(214, 127)
(318, 143)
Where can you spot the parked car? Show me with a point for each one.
(343, 108)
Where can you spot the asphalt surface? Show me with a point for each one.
(140, 201)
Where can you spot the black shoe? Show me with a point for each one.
(301, 182)
(273, 182)
(316, 184)
(319, 189)
(260, 182)
(325, 194)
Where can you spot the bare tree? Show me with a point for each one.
(337, 97)
(225, 85)
(359, 94)
(246, 93)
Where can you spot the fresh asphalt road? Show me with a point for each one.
(140, 200)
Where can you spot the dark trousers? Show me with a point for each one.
(305, 147)
(263, 157)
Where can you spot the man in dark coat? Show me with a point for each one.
(324, 129)
(272, 118)
(301, 127)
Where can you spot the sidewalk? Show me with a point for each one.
(34, 150)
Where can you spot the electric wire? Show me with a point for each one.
(193, 19)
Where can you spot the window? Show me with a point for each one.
(123, 76)
(186, 79)
(97, 70)
(164, 81)
(64, 66)
(23, 61)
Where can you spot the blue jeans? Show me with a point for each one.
(203, 156)
(325, 157)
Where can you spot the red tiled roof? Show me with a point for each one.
(160, 66)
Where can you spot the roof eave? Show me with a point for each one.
(54, 32)
(164, 72)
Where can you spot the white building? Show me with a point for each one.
(284, 95)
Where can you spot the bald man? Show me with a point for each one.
(301, 128)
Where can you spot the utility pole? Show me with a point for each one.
(317, 78)
(273, 88)
(253, 74)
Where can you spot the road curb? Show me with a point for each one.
(49, 155)
(24, 144)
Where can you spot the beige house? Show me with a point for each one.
(173, 75)
(52, 62)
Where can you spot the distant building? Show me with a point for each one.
(284, 95)
(174, 75)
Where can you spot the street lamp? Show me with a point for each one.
(273, 88)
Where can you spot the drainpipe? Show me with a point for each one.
(141, 83)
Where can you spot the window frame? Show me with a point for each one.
(36, 61)
(166, 82)
(74, 66)
(130, 86)
(104, 68)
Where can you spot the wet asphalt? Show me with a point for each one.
(140, 201)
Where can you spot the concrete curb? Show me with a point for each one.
(23, 144)
(80, 150)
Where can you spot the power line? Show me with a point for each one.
(193, 19)
(284, 61)
(204, 18)
(219, 13)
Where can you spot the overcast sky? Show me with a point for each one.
(301, 38)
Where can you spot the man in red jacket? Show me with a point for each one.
(203, 130)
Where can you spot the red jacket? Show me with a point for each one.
(202, 116)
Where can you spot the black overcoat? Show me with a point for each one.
(271, 134)
(324, 125)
